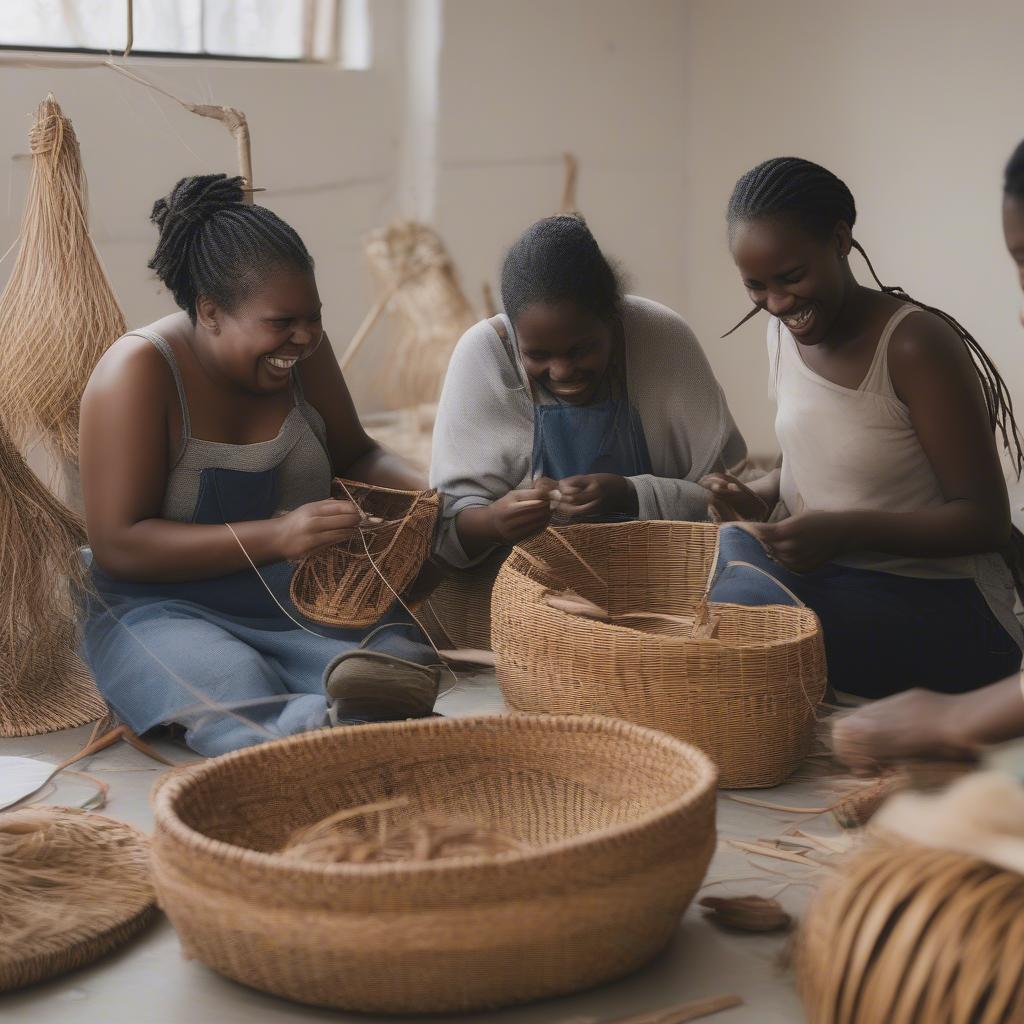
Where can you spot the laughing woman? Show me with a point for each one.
(892, 507)
(606, 399)
(209, 439)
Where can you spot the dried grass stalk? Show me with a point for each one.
(428, 308)
(374, 834)
(43, 685)
(58, 314)
(72, 887)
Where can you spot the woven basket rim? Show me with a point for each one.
(807, 630)
(428, 494)
(167, 819)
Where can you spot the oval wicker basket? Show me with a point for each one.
(746, 697)
(911, 935)
(342, 585)
(621, 818)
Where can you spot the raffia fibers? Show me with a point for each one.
(73, 886)
(43, 685)
(58, 314)
(428, 309)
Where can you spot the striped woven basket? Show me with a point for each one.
(619, 821)
(354, 583)
(746, 695)
(911, 935)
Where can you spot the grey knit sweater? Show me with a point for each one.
(483, 438)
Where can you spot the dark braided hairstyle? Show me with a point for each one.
(818, 200)
(214, 244)
(558, 259)
(1013, 179)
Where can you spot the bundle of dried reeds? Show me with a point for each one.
(72, 887)
(430, 312)
(43, 685)
(375, 834)
(58, 313)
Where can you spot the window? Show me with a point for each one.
(294, 30)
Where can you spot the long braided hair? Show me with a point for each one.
(819, 200)
(214, 244)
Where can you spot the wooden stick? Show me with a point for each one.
(768, 806)
(683, 1012)
(131, 29)
(569, 188)
(762, 850)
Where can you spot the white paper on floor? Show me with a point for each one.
(21, 777)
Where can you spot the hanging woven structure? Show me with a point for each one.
(354, 583)
(43, 685)
(73, 887)
(58, 314)
(429, 310)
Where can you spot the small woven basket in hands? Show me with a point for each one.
(746, 695)
(354, 583)
(73, 887)
(619, 822)
(912, 935)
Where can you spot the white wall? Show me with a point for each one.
(916, 104)
(523, 81)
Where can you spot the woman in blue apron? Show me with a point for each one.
(208, 444)
(579, 403)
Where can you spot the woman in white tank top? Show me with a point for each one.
(922, 723)
(891, 510)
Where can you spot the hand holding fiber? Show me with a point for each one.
(316, 525)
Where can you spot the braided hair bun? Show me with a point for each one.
(213, 243)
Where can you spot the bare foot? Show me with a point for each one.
(914, 725)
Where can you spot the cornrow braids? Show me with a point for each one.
(214, 244)
(789, 186)
(1013, 178)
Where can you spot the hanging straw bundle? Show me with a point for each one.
(416, 276)
(58, 314)
(355, 582)
(73, 886)
(43, 685)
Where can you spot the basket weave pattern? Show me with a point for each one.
(910, 935)
(745, 697)
(620, 821)
(340, 586)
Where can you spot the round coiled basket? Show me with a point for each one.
(619, 821)
(745, 695)
(911, 935)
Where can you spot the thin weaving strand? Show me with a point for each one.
(43, 684)
(58, 313)
(620, 821)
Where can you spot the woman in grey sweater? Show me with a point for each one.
(578, 401)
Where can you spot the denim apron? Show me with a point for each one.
(164, 652)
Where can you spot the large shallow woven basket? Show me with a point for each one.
(621, 818)
(343, 586)
(74, 887)
(910, 935)
(746, 697)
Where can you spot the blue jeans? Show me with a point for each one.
(883, 633)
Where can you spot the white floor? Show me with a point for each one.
(150, 983)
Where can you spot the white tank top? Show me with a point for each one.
(846, 449)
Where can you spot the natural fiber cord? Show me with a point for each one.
(58, 314)
(73, 886)
(618, 822)
(746, 694)
(43, 684)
